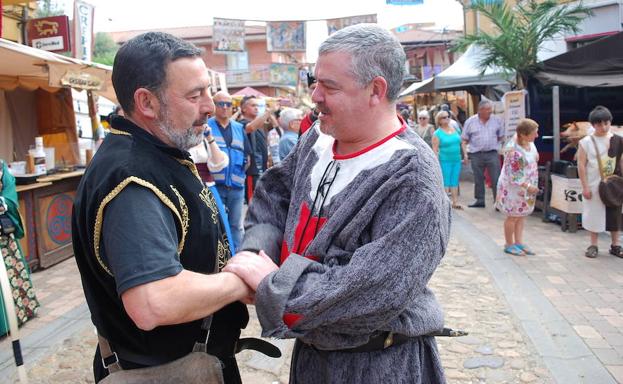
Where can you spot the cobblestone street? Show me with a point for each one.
(496, 350)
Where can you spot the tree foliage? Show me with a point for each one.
(519, 31)
(47, 8)
(105, 49)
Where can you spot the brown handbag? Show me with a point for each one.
(198, 367)
(610, 187)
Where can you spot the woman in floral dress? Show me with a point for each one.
(23, 293)
(518, 185)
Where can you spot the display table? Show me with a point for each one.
(46, 207)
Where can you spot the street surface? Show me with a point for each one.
(553, 317)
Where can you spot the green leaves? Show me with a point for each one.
(519, 31)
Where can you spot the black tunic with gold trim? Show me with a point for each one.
(132, 156)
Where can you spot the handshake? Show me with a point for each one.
(252, 268)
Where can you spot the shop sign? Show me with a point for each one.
(49, 33)
(566, 194)
(82, 80)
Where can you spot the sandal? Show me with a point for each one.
(616, 250)
(525, 249)
(514, 250)
(591, 251)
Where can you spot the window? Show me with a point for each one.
(238, 61)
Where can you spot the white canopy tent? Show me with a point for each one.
(419, 87)
(31, 68)
(465, 73)
(462, 75)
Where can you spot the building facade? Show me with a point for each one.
(250, 68)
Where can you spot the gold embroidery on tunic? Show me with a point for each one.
(223, 252)
(184, 207)
(116, 191)
(118, 132)
(193, 168)
(209, 200)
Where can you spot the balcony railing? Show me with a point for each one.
(254, 75)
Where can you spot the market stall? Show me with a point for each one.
(35, 101)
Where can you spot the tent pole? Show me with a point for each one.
(556, 120)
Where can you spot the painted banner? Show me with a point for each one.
(514, 110)
(284, 74)
(228, 36)
(566, 194)
(285, 36)
(83, 30)
(337, 24)
(49, 33)
(404, 2)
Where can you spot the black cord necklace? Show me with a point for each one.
(327, 179)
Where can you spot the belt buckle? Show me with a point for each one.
(389, 340)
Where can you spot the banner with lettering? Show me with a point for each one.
(228, 36)
(514, 110)
(337, 24)
(83, 30)
(285, 36)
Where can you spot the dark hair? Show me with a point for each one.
(599, 114)
(245, 99)
(142, 62)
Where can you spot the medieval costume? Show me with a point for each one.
(144, 202)
(357, 238)
(26, 304)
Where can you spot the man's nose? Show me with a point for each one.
(316, 95)
(208, 105)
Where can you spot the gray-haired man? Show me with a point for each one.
(484, 132)
(355, 222)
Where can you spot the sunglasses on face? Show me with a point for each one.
(223, 104)
(423, 118)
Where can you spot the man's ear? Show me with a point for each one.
(146, 104)
(378, 90)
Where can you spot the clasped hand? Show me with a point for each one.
(251, 267)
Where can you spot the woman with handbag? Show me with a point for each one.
(593, 160)
(26, 304)
(517, 186)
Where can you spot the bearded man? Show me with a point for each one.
(147, 234)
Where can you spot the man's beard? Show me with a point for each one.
(181, 139)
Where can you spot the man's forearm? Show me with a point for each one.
(184, 297)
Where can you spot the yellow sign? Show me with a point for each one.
(82, 80)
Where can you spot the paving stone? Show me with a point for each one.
(616, 371)
(586, 332)
(483, 361)
(517, 364)
(527, 377)
(469, 340)
(485, 350)
(608, 356)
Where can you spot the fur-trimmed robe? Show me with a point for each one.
(362, 266)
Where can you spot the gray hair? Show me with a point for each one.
(485, 104)
(287, 115)
(375, 52)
